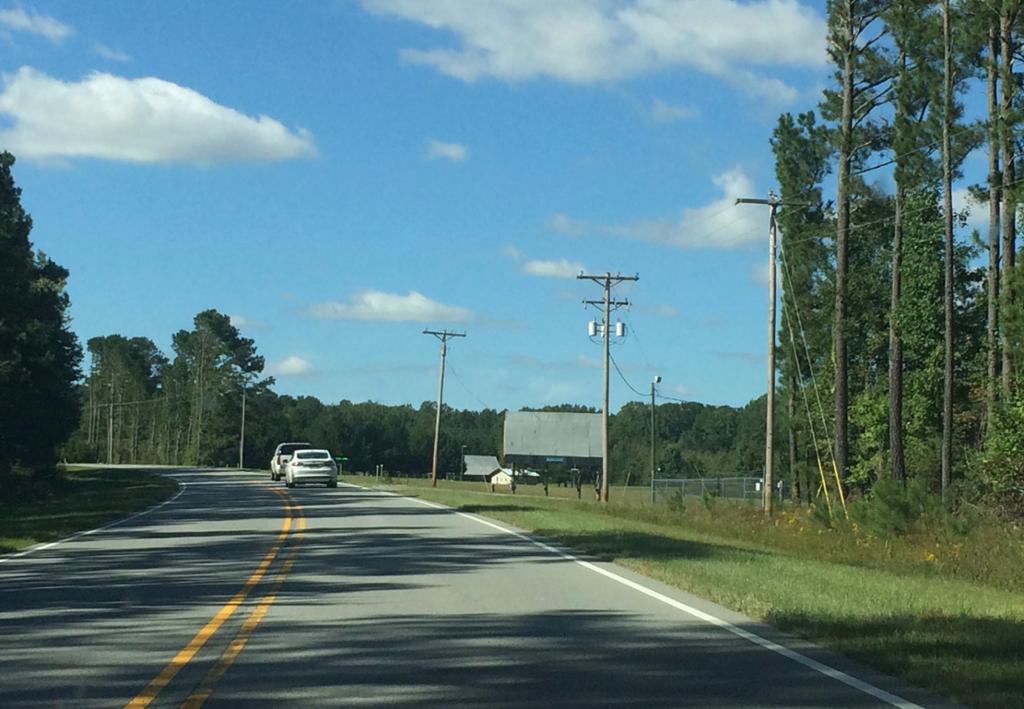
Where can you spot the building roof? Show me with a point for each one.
(482, 465)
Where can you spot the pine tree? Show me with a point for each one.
(912, 28)
(39, 355)
(862, 72)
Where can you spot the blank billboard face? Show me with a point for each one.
(553, 435)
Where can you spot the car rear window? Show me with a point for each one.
(313, 455)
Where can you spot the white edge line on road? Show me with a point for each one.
(808, 662)
(49, 545)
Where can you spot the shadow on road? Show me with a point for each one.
(121, 599)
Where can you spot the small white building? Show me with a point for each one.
(502, 476)
(523, 477)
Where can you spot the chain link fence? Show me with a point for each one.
(733, 488)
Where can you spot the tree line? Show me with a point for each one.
(141, 406)
(924, 381)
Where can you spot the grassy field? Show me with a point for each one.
(89, 498)
(942, 609)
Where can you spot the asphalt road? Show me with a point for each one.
(241, 593)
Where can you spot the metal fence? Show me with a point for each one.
(734, 488)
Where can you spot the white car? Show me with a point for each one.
(282, 454)
(311, 465)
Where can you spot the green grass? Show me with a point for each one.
(941, 609)
(86, 499)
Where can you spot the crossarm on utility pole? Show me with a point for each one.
(773, 202)
(606, 281)
(443, 336)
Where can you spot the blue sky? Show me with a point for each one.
(337, 175)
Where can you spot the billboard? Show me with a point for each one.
(550, 435)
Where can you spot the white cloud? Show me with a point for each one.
(512, 252)
(666, 113)
(719, 224)
(666, 311)
(114, 55)
(563, 268)
(977, 217)
(377, 305)
(587, 362)
(240, 321)
(582, 41)
(455, 152)
(565, 224)
(135, 120)
(292, 366)
(19, 20)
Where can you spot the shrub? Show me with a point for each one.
(677, 501)
(892, 508)
(709, 497)
(1002, 462)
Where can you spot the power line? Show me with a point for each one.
(881, 220)
(468, 390)
(623, 377)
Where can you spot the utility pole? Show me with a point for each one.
(110, 427)
(443, 336)
(655, 381)
(607, 281)
(773, 203)
(241, 437)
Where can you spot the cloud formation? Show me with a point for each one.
(666, 113)
(109, 53)
(240, 321)
(977, 213)
(292, 366)
(719, 224)
(145, 120)
(20, 20)
(455, 152)
(562, 268)
(581, 41)
(378, 305)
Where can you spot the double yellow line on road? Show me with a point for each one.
(235, 647)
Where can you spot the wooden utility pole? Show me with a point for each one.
(607, 281)
(110, 427)
(241, 437)
(654, 462)
(443, 336)
(773, 203)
